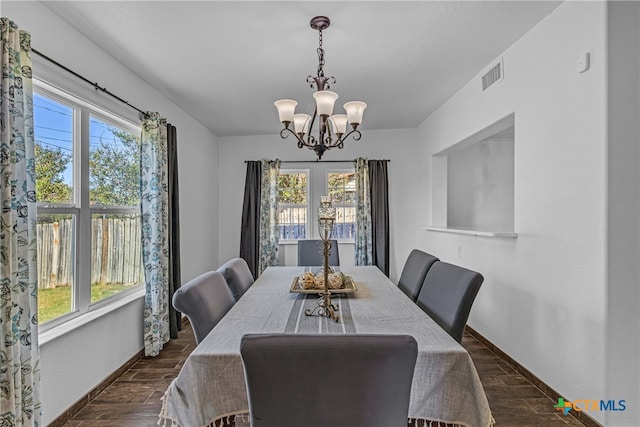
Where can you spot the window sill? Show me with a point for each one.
(288, 242)
(295, 242)
(57, 331)
(476, 233)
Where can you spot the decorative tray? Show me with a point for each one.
(348, 287)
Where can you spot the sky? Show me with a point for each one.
(53, 123)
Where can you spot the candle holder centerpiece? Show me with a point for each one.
(326, 221)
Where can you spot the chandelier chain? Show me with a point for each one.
(320, 57)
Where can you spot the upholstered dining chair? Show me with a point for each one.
(328, 380)
(238, 276)
(204, 300)
(414, 271)
(447, 295)
(310, 253)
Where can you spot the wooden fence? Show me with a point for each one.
(116, 256)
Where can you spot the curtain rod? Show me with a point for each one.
(95, 85)
(319, 161)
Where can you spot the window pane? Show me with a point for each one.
(292, 195)
(293, 223)
(114, 165)
(55, 265)
(342, 188)
(116, 257)
(345, 227)
(336, 187)
(53, 132)
(292, 188)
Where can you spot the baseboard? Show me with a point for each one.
(73, 410)
(546, 389)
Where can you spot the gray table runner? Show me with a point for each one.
(300, 323)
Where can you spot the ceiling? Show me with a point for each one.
(225, 62)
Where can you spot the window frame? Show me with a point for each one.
(307, 206)
(80, 207)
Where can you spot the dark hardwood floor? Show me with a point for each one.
(133, 400)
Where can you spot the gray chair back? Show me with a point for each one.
(310, 253)
(238, 276)
(328, 380)
(204, 300)
(448, 294)
(414, 271)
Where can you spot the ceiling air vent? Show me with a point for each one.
(494, 75)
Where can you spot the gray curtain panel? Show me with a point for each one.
(250, 229)
(379, 190)
(175, 318)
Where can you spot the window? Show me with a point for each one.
(87, 188)
(293, 204)
(299, 192)
(341, 186)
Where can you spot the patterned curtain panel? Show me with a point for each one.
(363, 240)
(269, 232)
(154, 190)
(19, 357)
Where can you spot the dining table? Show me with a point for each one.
(210, 387)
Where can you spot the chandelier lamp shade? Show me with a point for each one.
(331, 128)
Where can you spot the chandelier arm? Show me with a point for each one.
(327, 136)
(321, 134)
(355, 134)
(313, 120)
(284, 133)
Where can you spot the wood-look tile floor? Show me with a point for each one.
(133, 400)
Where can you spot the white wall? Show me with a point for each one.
(545, 296)
(622, 369)
(480, 186)
(76, 362)
(396, 145)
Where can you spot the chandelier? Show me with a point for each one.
(332, 128)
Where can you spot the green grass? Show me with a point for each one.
(55, 302)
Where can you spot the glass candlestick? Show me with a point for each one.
(326, 221)
(326, 218)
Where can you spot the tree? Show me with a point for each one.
(292, 187)
(50, 165)
(342, 187)
(114, 165)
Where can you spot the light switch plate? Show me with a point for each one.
(583, 62)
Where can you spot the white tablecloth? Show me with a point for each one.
(211, 384)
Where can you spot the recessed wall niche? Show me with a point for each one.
(473, 183)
